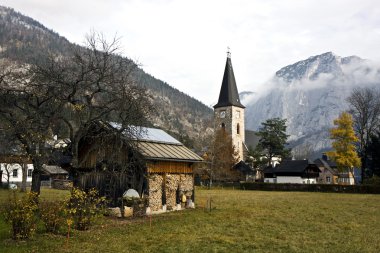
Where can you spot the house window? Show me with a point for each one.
(328, 179)
(15, 173)
(30, 172)
(238, 129)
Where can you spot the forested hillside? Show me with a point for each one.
(24, 40)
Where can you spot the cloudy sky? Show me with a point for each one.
(184, 43)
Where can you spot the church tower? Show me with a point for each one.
(229, 112)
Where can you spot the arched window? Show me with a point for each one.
(223, 126)
(238, 129)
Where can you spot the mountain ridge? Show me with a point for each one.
(24, 40)
(310, 94)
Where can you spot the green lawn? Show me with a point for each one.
(242, 221)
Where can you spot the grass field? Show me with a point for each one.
(242, 221)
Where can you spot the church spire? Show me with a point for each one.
(229, 95)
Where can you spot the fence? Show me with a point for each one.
(372, 189)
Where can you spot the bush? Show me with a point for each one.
(21, 214)
(375, 180)
(83, 207)
(52, 215)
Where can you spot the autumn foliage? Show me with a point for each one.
(344, 140)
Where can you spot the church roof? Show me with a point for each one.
(228, 93)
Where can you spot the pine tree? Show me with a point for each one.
(273, 139)
(344, 140)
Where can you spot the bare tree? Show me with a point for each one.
(223, 158)
(8, 170)
(365, 109)
(68, 93)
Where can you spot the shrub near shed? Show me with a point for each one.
(21, 214)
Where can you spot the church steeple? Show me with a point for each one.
(229, 112)
(229, 95)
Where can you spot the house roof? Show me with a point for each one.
(53, 169)
(229, 94)
(243, 168)
(156, 144)
(149, 134)
(165, 151)
(293, 166)
(327, 164)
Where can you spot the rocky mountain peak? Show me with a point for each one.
(310, 94)
(312, 67)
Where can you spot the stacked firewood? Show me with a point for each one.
(155, 192)
(186, 185)
(172, 181)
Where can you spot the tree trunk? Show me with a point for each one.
(363, 168)
(36, 182)
(36, 176)
(24, 169)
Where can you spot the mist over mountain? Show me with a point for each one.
(25, 40)
(310, 94)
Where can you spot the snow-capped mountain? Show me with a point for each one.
(310, 94)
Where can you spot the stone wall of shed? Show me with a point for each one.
(183, 182)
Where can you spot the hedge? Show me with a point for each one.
(371, 189)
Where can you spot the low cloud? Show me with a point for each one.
(357, 73)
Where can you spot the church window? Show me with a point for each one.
(223, 126)
(238, 129)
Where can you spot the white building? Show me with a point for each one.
(14, 172)
(292, 172)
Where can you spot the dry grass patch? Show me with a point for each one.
(242, 221)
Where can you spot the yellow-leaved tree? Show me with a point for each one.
(344, 138)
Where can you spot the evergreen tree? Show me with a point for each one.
(344, 140)
(273, 139)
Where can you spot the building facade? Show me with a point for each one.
(229, 112)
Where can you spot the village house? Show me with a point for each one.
(13, 167)
(330, 173)
(292, 172)
(155, 164)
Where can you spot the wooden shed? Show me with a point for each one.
(153, 163)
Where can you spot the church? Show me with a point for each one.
(229, 115)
